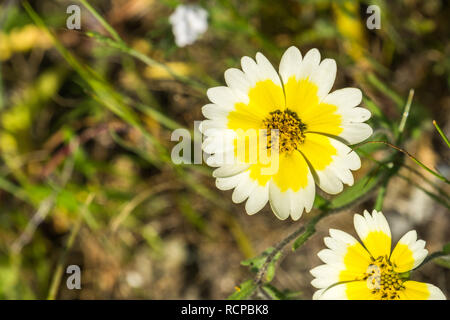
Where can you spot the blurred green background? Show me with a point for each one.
(85, 124)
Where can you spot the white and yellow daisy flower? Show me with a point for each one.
(313, 127)
(371, 271)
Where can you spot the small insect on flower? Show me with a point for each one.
(188, 23)
(300, 128)
(371, 272)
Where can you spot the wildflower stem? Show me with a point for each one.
(102, 21)
(406, 110)
(434, 185)
(302, 234)
(378, 84)
(432, 195)
(279, 247)
(381, 194)
(441, 133)
(412, 158)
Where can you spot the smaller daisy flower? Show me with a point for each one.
(371, 271)
(188, 23)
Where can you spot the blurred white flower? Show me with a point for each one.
(188, 23)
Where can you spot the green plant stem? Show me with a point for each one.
(280, 246)
(432, 195)
(405, 115)
(444, 137)
(432, 184)
(412, 158)
(378, 84)
(302, 234)
(381, 195)
(102, 21)
(429, 193)
(401, 128)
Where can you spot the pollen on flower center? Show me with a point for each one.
(382, 279)
(291, 130)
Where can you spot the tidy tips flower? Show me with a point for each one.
(371, 272)
(312, 126)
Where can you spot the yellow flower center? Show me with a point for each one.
(291, 130)
(382, 279)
